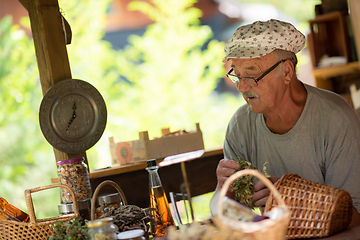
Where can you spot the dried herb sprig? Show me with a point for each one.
(129, 217)
(244, 186)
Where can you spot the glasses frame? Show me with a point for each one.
(253, 81)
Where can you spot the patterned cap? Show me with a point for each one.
(260, 38)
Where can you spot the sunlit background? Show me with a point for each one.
(157, 63)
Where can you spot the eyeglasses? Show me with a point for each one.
(251, 81)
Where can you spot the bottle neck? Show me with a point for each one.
(154, 178)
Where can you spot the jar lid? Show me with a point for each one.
(66, 208)
(109, 199)
(131, 234)
(151, 163)
(73, 160)
(99, 222)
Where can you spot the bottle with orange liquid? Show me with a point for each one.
(10, 212)
(158, 200)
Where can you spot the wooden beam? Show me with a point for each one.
(50, 47)
(49, 29)
(354, 6)
(66, 25)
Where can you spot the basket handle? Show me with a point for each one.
(97, 190)
(242, 173)
(30, 204)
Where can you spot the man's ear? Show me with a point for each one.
(289, 70)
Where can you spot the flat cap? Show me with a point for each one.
(260, 38)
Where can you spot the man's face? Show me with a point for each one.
(269, 94)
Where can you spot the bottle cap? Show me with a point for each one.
(73, 160)
(130, 234)
(151, 163)
(99, 222)
(109, 199)
(67, 208)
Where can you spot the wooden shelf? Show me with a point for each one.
(322, 74)
(134, 179)
(325, 73)
(114, 170)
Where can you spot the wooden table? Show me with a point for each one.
(134, 179)
(351, 233)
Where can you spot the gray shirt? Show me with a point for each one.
(323, 146)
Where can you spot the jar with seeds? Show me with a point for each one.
(74, 174)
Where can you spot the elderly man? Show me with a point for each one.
(294, 127)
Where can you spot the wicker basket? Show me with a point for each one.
(97, 190)
(316, 210)
(39, 229)
(269, 229)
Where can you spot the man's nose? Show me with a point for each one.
(242, 87)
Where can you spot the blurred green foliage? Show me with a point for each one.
(24, 157)
(165, 78)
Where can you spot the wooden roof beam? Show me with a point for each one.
(51, 32)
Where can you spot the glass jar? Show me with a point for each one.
(101, 229)
(136, 234)
(84, 208)
(74, 174)
(107, 201)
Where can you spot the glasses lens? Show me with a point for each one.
(247, 80)
(233, 78)
(250, 81)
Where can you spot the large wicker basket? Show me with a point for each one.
(39, 229)
(317, 210)
(269, 229)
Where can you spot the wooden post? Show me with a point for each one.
(354, 6)
(50, 48)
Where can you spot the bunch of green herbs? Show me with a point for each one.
(244, 186)
(72, 230)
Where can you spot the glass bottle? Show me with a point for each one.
(158, 200)
(10, 212)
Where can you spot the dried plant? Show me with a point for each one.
(130, 217)
(244, 186)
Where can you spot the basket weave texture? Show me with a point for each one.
(269, 229)
(39, 229)
(317, 210)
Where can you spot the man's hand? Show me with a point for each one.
(224, 169)
(262, 193)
